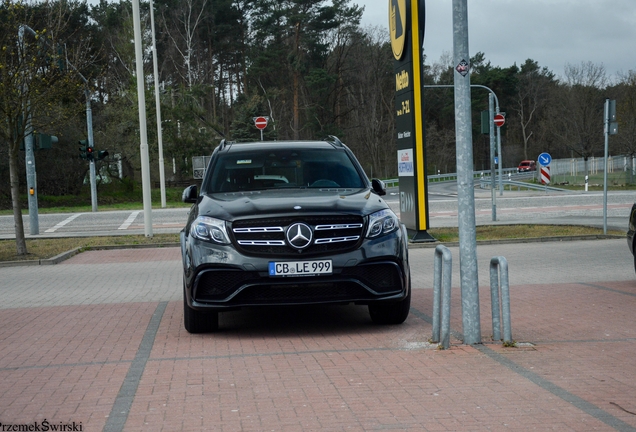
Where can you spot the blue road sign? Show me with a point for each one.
(545, 159)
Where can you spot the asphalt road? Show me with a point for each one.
(513, 207)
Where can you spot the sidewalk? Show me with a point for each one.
(98, 340)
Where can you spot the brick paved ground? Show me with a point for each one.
(99, 340)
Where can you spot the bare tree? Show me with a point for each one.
(184, 36)
(33, 82)
(581, 109)
(626, 116)
(533, 92)
(370, 97)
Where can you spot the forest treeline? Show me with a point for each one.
(306, 64)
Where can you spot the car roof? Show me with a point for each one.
(229, 146)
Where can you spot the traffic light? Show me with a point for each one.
(45, 141)
(84, 149)
(102, 154)
(89, 154)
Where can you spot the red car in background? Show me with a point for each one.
(527, 165)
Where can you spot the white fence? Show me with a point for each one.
(576, 166)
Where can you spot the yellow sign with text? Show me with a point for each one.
(397, 26)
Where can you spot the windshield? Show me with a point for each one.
(283, 168)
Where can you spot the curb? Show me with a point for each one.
(68, 254)
(420, 245)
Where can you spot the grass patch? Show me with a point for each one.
(48, 248)
(507, 232)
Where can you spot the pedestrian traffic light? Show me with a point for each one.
(89, 154)
(84, 149)
(102, 154)
(45, 141)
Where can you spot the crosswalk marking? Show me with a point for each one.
(64, 222)
(130, 220)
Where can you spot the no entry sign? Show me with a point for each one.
(499, 120)
(260, 122)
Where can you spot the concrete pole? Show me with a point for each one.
(143, 135)
(465, 182)
(162, 177)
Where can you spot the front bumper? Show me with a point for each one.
(220, 278)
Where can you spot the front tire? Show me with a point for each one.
(196, 321)
(391, 312)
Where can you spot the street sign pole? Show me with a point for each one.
(500, 120)
(465, 182)
(493, 165)
(606, 121)
(261, 123)
(500, 157)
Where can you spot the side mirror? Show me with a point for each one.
(378, 186)
(190, 194)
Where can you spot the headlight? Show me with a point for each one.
(381, 223)
(209, 229)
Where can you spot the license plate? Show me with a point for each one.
(300, 268)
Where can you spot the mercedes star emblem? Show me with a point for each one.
(299, 236)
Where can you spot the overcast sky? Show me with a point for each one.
(551, 32)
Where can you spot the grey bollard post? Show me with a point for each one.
(442, 295)
(499, 278)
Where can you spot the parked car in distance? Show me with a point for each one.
(631, 238)
(287, 223)
(527, 165)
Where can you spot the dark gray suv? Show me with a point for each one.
(289, 223)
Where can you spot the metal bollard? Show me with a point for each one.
(441, 303)
(499, 267)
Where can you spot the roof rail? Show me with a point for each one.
(334, 140)
(225, 143)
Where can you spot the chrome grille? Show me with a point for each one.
(266, 237)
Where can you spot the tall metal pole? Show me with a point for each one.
(162, 177)
(143, 135)
(465, 182)
(493, 184)
(606, 132)
(91, 163)
(493, 173)
(29, 156)
(500, 156)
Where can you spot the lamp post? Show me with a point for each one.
(143, 135)
(162, 178)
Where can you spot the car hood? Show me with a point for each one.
(285, 202)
